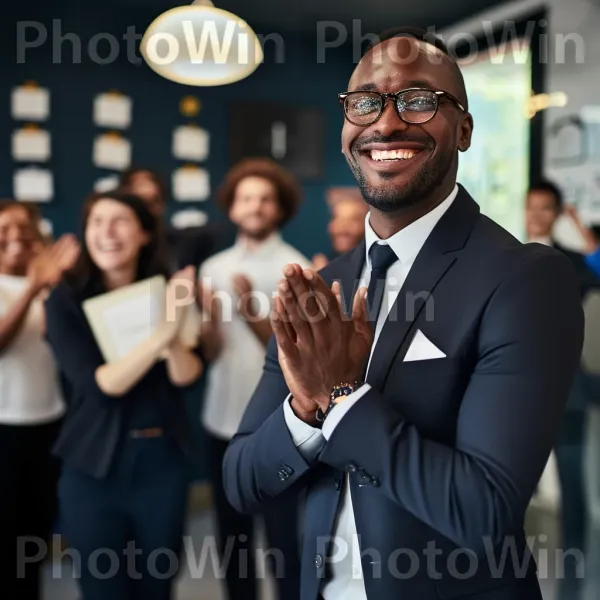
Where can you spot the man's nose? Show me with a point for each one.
(390, 122)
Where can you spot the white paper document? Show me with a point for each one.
(133, 321)
(112, 110)
(31, 145)
(112, 152)
(30, 103)
(124, 318)
(32, 184)
(191, 143)
(191, 184)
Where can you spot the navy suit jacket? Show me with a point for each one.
(443, 455)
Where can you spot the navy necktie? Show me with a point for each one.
(382, 258)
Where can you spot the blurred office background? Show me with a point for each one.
(531, 69)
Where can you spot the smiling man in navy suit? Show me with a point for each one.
(421, 423)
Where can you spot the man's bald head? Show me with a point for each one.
(430, 45)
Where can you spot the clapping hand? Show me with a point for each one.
(590, 241)
(50, 263)
(245, 304)
(211, 336)
(177, 306)
(319, 346)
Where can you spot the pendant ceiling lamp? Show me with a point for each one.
(201, 45)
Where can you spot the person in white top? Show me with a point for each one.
(238, 283)
(31, 402)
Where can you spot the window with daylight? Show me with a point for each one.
(496, 169)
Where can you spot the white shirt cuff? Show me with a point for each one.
(337, 414)
(309, 440)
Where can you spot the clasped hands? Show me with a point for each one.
(319, 346)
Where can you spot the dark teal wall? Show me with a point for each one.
(299, 81)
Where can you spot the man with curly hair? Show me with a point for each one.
(259, 197)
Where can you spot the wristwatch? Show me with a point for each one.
(339, 391)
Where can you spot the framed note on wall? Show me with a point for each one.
(292, 136)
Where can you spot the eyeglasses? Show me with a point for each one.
(414, 105)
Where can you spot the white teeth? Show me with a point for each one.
(401, 154)
(14, 247)
(108, 247)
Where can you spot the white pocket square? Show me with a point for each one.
(422, 349)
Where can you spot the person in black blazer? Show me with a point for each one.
(544, 206)
(125, 442)
(421, 424)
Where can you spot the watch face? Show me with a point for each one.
(345, 390)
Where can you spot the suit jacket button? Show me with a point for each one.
(318, 561)
(375, 482)
(351, 468)
(283, 475)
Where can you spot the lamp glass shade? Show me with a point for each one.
(201, 46)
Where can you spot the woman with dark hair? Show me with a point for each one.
(124, 480)
(31, 402)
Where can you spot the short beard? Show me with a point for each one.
(258, 236)
(393, 199)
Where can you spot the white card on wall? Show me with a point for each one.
(30, 103)
(190, 143)
(104, 184)
(112, 110)
(33, 184)
(31, 144)
(189, 218)
(191, 184)
(111, 151)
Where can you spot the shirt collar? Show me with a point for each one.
(407, 243)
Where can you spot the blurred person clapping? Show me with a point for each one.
(32, 402)
(259, 197)
(544, 205)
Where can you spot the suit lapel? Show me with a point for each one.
(435, 259)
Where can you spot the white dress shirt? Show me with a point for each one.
(234, 375)
(347, 581)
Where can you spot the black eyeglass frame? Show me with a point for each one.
(343, 97)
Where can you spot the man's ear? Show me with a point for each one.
(465, 132)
